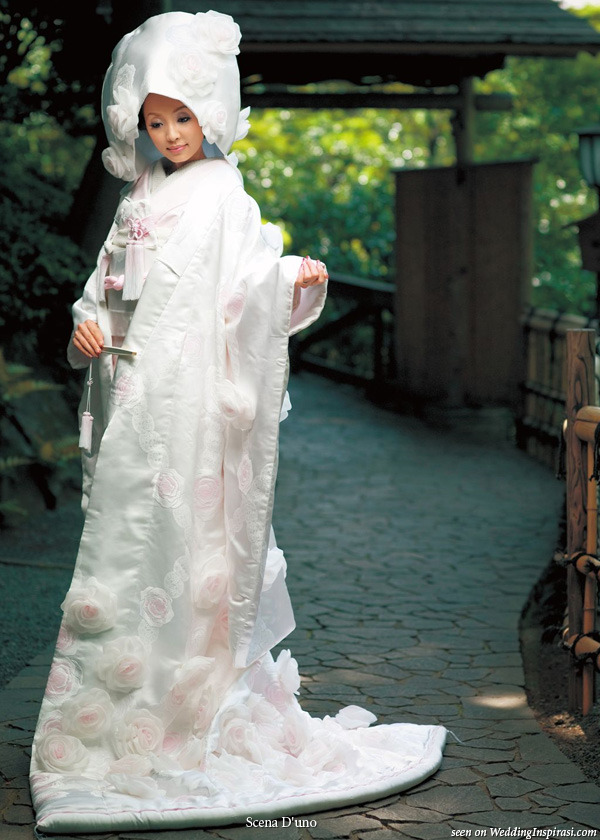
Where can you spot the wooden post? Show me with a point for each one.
(580, 392)
(463, 127)
(589, 583)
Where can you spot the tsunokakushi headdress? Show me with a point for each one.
(189, 57)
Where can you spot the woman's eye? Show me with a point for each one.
(155, 125)
(184, 119)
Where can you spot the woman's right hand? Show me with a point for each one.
(88, 338)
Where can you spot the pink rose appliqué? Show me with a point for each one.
(208, 494)
(212, 582)
(129, 390)
(155, 606)
(168, 488)
(64, 679)
(244, 474)
(66, 638)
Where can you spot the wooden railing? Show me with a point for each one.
(371, 302)
(582, 442)
(539, 422)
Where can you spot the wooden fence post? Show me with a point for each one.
(581, 353)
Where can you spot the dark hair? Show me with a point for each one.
(141, 121)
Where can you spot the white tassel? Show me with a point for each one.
(85, 435)
(87, 421)
(134, 270)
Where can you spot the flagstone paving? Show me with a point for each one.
(411, 551)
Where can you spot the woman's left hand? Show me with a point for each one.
(312, 273)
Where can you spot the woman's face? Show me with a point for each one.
(173, 129)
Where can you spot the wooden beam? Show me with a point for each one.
(451, 48)
(346, 101)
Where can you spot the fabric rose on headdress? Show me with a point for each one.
(214, 120)
(243, 126)
(194, 72)
(123, 115)
(117, 164)
(224, 32)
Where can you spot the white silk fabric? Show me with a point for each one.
(164, 707)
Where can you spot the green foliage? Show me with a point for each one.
(552, 98)
(41, 269)
(21, 444)
(325, 176)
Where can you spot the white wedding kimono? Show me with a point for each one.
(164, 707)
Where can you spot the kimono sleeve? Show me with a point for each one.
(83, 309)
(312, 299)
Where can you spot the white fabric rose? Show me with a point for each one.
(353, 717)
(139, 732)
(64, 679)
(192, 755)
(90, 607)
(296, 732)
(168, 488)
(123, 664)
(88, 715)
(60, 753)
(193, 72)
(123, 115)
(212, 582)
(287, 668)
(206, 707)
(273, 237)
(190, 676)
(155, 606)
(213, 120)
(143, 787)
(117, 164)
(267, 720)
(224, 32)
(243, 126)
(275, 563)
(237, 736)
(297, 773)
(235, 405)
(131, 765)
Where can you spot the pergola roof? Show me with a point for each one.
(416, 41)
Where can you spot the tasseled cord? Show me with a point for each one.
(87, 421)
(134, 270)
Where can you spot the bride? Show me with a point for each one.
(164, 707)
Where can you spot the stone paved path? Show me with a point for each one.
(411, 552)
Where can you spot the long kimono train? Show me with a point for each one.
(164, 707)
